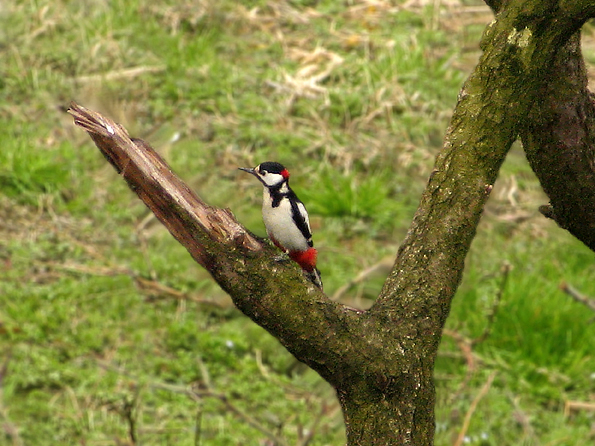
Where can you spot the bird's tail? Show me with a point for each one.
(314, 277)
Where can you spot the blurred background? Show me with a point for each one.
(111, 334)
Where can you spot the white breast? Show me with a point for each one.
(280, 225)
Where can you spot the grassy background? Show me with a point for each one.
(108, 330)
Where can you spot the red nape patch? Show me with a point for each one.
(285, 173)
(306, 259)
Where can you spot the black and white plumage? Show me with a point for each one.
(285, 217)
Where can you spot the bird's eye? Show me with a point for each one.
(263, 172)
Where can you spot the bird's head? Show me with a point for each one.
(269, 173)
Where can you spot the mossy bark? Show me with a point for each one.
(519, 46)
(380, 361)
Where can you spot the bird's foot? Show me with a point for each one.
(282, 258)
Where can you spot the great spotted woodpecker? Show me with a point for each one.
(285, 217)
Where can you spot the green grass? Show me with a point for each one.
(106, 322)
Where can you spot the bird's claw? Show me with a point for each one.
(282, 258)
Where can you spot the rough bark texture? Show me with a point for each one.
(558, 138)
(380, 361)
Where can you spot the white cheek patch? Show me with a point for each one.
(272, 179)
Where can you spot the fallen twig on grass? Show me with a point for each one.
(89, 270)
(573, 406)
(522, 418)
(304, 440)
(120, 74)
(148, 286)
(484, 390)
(466, 344)
(197, 394)
(579, 297)
(155, 287)
(383, 264)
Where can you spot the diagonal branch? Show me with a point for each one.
(589, 302)
(174, 204)
(270, 292)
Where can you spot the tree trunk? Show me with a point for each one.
(380, 361)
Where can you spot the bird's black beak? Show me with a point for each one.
(248, 169)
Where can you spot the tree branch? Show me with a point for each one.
(559, 132)
(577, 296)
(271, 293)
(559, 137)
(191, 221)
